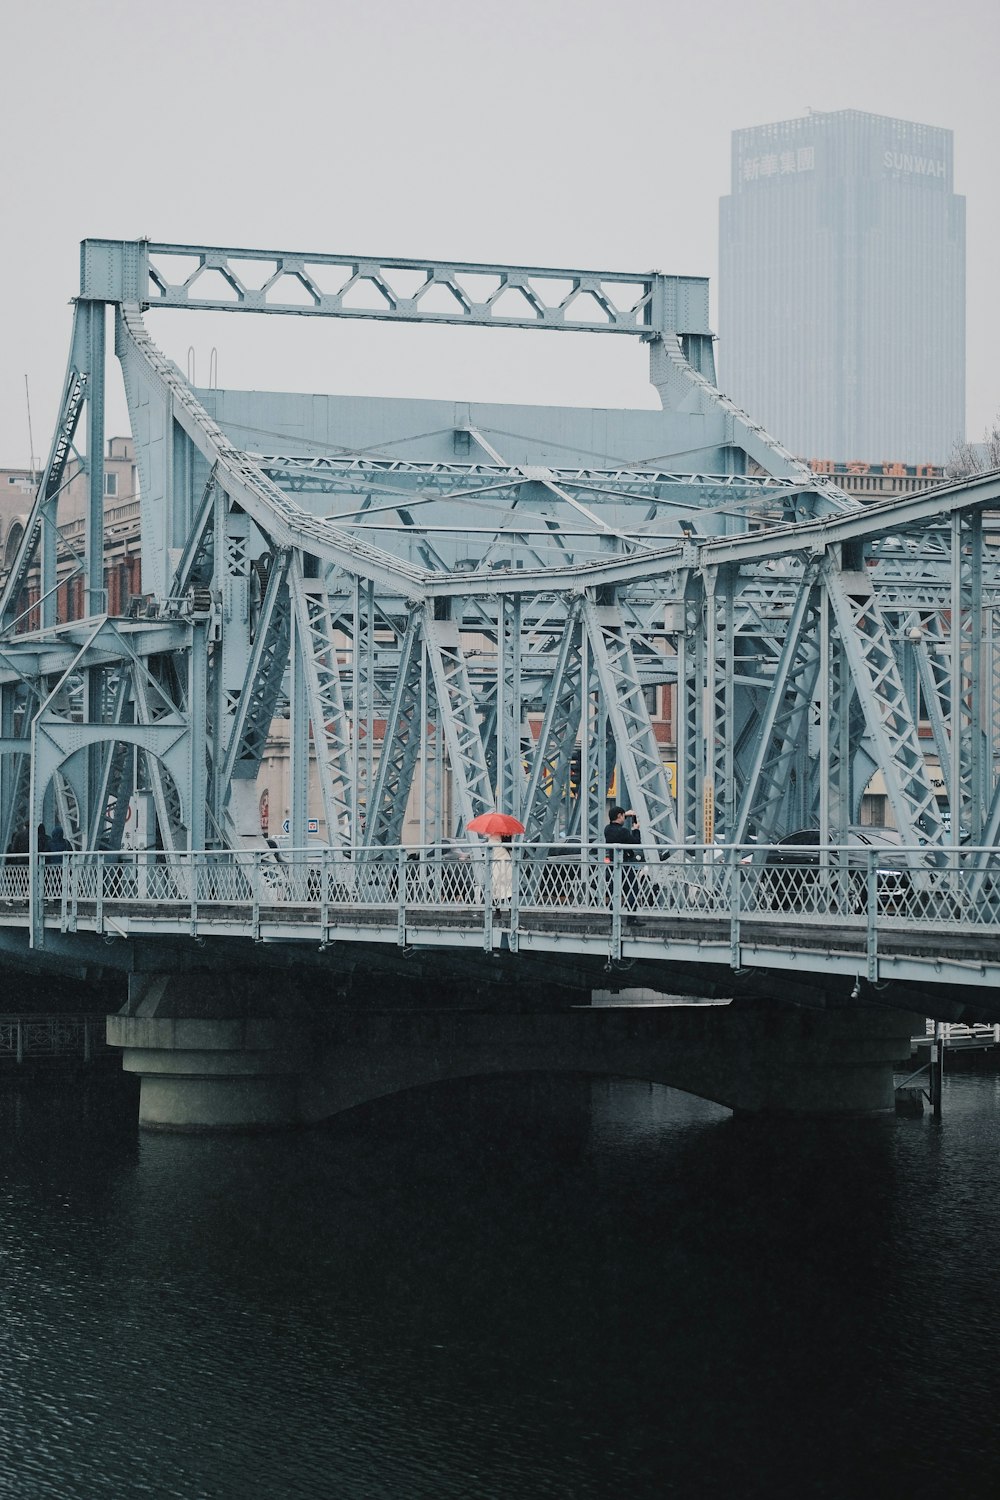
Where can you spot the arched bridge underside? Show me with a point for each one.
(455, 607)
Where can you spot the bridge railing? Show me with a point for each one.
(812, 885)
(25, 1038)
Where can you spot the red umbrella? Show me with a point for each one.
(495, 822)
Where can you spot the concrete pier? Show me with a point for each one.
(246, 1070)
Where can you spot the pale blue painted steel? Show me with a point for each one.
(854, 911)
(425, 566)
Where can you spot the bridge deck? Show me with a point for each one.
(723, 920)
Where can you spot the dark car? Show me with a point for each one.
(800, 875)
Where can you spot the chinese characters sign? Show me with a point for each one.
(879, 471)
(778, 163)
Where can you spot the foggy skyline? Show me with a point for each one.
(549, 134)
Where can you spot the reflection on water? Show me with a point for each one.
(510, 1288)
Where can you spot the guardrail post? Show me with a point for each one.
(616, 903)
(515, 895)
(324, 895)
(936, 1070)
(733, 873)
(488, 902)
(401, 896)
(871, 891)
(36, 900)
(194, 893)
(255, 895)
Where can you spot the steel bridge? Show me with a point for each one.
(461, 606)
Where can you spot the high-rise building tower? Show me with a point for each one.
(842, 287)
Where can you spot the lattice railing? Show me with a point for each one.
(696, 894)
(841, 882)
(25, 1038)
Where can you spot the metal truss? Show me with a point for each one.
(639, 758)
(557, 733)
(114, 769)
(40, 531)
(598, 767)
(196, 567)
(15, 774)
(866, 647)
(151, 377)
(330, 725)
(774, 768)
(406, 290)
(926, 642)
(460, 718)
(401, 745)
(506, 731)
(169, 809)
(257, 700)
(445, 636)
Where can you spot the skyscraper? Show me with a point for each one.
(842, 287)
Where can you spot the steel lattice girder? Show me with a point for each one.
(454, 603)
(345, 286)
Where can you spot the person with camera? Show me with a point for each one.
(622, 829)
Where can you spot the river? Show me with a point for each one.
(507, 1289)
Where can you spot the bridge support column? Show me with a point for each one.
(759, 1061)
(206, 1056)
(213, 1054)
(793, 1061)
(211, 1075)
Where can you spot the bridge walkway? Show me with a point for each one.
(697, 908)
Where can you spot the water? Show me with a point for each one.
(514, 1288)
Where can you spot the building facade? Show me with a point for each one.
(842, 287)
(885, 481)
(123, 565)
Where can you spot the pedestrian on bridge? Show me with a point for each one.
(622, 830)
(501, 874)
(58, 844)
(19, 844)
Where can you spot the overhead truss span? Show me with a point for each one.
(451, 606)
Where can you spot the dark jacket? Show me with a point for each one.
(617, 833)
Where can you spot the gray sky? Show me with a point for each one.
(547, 133)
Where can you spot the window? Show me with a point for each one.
(652, 697)
(111, 484)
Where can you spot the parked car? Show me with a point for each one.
(799, 875)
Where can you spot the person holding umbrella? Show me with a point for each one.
(498, 828)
